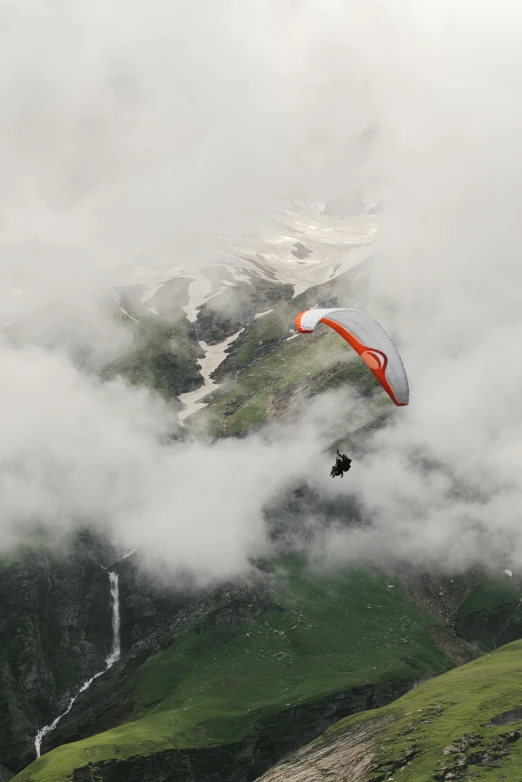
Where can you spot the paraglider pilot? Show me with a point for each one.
(342, 465)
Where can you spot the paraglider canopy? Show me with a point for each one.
(369, 340)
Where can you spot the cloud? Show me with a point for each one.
(144, 129)
(76, 451)
(448, 284)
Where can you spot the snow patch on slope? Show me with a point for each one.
(124, 310)
(198, 290)
(214, 355)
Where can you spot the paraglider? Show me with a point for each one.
(369, 340)
(342, 465)
(374, 346)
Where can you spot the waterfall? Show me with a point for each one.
(115, 652)
(113, 656)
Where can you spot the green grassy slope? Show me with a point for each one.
(310, 363)
(269, 362)
(214, 683)
(250, 400)
(453, 713)
(269, 330)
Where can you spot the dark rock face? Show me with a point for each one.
(164, 358)
(156, 614)
(435, 592)
(245, 761)
(149, 610)
(231, 310)
(449, 644)
(5, 774)
(54, 632)
(473, 750)
(507, 716)
(301, 251)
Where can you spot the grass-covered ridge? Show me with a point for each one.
(270, 362)
(445, 728)
(308, 364)
(325, 634)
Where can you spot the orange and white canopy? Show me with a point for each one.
(369, 340)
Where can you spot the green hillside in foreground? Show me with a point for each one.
(218, 681)
(465, 724)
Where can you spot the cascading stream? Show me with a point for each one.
(114, 656)
(115, 652)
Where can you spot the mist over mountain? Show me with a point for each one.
(179, 181)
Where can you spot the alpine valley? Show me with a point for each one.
(292, 671)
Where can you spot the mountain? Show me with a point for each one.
(465, 724)
(227, 681)
(220, 684)
(301, 245)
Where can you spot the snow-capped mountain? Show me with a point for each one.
(302, 245)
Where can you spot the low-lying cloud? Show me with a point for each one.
(448, 284)
(77, 451)
(145, 129)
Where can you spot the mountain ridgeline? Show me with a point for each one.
(111, 674)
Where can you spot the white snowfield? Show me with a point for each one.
(299, 245)
(331, 242)
(214, 355)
